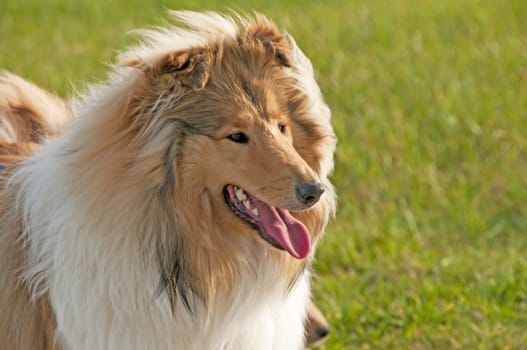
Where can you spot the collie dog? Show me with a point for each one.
(26, 120)
(181, 205)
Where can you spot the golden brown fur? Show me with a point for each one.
(22, 121)
(34, 324)
(28, 113)
(155, 133)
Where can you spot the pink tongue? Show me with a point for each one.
(292, 235)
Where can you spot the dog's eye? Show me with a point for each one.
(281, 127)
(238, 137)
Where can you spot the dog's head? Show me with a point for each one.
(225, 120)
(255, 134)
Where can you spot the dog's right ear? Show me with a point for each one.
(190, 68)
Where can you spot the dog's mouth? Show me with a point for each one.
(276, 226)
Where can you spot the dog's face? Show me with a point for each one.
(247, 162)
(255, 176)
(248, 150)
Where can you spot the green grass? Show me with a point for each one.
(429, 99)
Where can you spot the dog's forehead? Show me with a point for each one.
(264, 97)
(254, 72)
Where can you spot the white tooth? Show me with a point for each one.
(247, 204)
(255, 211)
(240, 194)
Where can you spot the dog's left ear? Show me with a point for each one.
(190, 67)
(273, 40)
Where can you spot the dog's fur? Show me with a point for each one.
(117, 234)
(31, 115)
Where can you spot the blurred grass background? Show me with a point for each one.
(429, 100)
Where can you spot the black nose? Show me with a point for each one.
(322, 332)
(308, 192)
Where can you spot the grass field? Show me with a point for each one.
(429, 100)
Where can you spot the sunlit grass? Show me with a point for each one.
(429, 100)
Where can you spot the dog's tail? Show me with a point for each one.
(29, 114)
